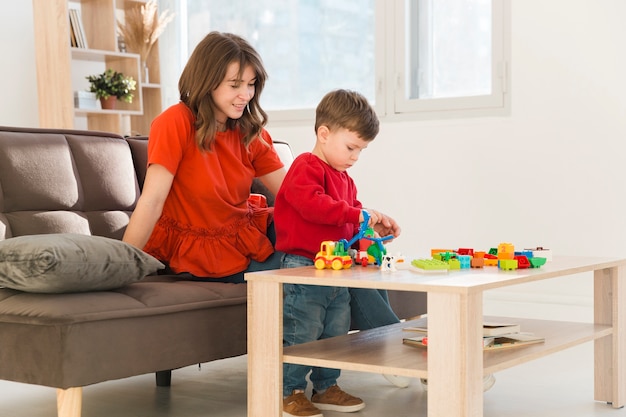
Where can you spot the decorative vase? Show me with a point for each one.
(108, 103)
(145, 76)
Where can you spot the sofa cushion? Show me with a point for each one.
(67, 262)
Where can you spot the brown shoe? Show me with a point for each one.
(335, 399)
(298, 405)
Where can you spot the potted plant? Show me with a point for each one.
(111, 86)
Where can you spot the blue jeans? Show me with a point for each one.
(370, 309)
(311, 312)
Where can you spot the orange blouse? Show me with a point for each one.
(207, 226)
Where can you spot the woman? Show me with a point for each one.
(203, 153)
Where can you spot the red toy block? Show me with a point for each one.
(522, 261)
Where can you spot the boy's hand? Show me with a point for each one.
(382, 224)
(374, 217)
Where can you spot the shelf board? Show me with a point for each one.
(381, 350)
(112, 112)
(99, 54)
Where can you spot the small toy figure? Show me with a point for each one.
(388, 263)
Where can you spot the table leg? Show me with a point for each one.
(265, 349)
(455, 355)
(610, 352)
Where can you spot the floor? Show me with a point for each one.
(557, 386)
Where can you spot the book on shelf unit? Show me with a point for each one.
(506, 341)
(77, 29)
(490, 328)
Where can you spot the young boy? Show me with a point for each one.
(317, 202)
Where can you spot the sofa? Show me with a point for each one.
(57, 182)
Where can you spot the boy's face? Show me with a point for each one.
(339, 148)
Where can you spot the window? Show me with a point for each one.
(405, 56)
(449, 55)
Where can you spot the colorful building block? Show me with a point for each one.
(536, 262)
(507, 264)
(430, 264)
(522, 262)
(477, 262)
(454, 263)
(464, 261)
(541, 252)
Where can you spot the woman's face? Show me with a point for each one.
(233, 94)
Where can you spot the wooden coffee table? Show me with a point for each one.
(455, 363)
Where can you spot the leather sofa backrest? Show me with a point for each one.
(73, 181)
(65, 181)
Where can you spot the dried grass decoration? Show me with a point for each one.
(141, 28)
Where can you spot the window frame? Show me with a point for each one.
(495, 100)
(390, 102)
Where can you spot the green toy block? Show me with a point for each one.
(429, 264)
(536, 262)
(507, 264)
(454, 263)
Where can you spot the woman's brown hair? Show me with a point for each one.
(204, 72)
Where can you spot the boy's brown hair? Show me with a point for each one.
(345, 109)
(205, 70)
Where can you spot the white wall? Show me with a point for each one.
(18, 80)
(551, 174)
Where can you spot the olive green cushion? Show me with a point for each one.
(67, 262)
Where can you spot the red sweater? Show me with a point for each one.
(315, 203)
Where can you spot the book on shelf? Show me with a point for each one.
(490, 328)
(73, 41)
(76, 26)
(506, 341)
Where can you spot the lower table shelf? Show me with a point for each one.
(381, 350)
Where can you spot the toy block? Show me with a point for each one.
(507, 264)
(465, 251)
(541, 252)
(430, 264)
(506, 248)
(536, 262)
(454, 263)
(446, 256)
(506, 255)
(490, 261)
(479, 254)
(493, 251)
(526, 253)
(522, 262)
(435, 251)
(477, 262)
(464, 261)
